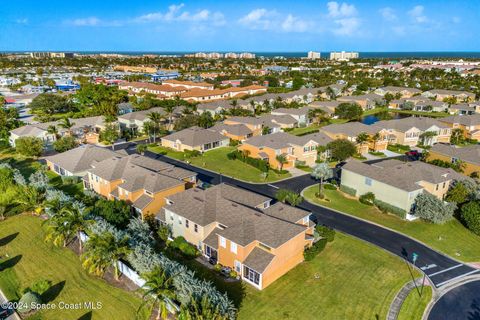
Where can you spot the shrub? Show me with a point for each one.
(330, 186)
(217, 267)
(65, 143)
(233, 143)
(260, 164)
(367, 198)
(70, 179)
(325, 232)
(29, 146)
(470, 214)
(141, 148)
(386, 207)
(187, 249)
(348, 190)
(233, 274)
(27, 300)
(432, 209)
(39, 287)
(310, 253)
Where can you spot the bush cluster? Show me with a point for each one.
(260, 164)
(386, 207)
(310, 253)
(187, 249)
(348, 190)
(325, 232)
(367, 198)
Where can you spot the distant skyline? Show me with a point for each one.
(265, 26)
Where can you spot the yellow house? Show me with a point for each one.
(142, 182)
(195, 138)
(469, 155)
(469, 124)
(259, 244)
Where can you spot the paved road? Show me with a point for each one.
(460, 303)
(439, 268)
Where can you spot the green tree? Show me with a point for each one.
(321, 172)
(64, 144)
(8, 121)
(110, 134)
(158, 288)
(200, 310)
(458, 193)
(31, 199)
(205, 120)
(362, 138)
(428, 207)
(103, 251)
(341, 149)
(116, 212)
(29, 146)
(47, 104)
(457, 136)
(470, 214)
(349, 111)
(297, 83)
(282, 160)
(156, 119)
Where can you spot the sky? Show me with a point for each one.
(300, 25)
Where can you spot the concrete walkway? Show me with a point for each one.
(400, 298)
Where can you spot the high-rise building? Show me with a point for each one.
(343, 56)
(313, 55)
(231, 55)
(247, 55)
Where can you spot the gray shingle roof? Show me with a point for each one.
(286, 212)
(195, 136)
(469, 153)
(405, 124)
(351, 129)
(258, 259)
(466, 120)
(234, 129)
(278, 140)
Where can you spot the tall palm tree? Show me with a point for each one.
(375, 138)
(362, 138)
(104, 250)
(69, 222)
(65, 123)
(53, 130)
(201, 310)
(321, 172)
(282, 159)
(156, 118)
(158, 287)
(169, 108)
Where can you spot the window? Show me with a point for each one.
(223, 242)
(444, 184)
(171, 217)
(233, 247)
(179, 220)
(261, 245)
(187, 223)
(238, 266)
(436, 187)
(195, 227)
(368, 181)
(251, 275)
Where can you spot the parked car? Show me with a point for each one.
(5, 312)
(413, 154)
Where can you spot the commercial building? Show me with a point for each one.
(313, 55)
(343, 56)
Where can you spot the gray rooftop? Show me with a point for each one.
(258, 259)
(195, 136)
(469, 154)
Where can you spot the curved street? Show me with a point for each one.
(460, 303)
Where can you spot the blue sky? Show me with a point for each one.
(301, 25)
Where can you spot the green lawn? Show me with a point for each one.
(452, 238)
(424, 113)
(216, 160)
(374, 111)
(398, 148)
(414, 306)
(39, 260)
(70, 189)
(350, 279)
(305, 130)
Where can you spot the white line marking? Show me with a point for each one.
(441, 271)
(271, 185)
(460, 276)
(430, 266)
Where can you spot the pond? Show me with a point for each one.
(371, 119)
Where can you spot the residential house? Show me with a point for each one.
(469, 124)
(403, 92)
(134, 121)
(441, 95)
(412, 130)
(195, 138)
(465, 108)
(228, 225)
(77, 161)
(377, 136)
(161, 91)
(366, 101)
(142, 182)
(469, 155)
(238, 132)
(295, 149)
(327, 106)
(252, 123)
(189, 84)
(397, 183)
(300, 114)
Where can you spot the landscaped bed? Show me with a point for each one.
(452, 238)
(31, 259)
(350, 279)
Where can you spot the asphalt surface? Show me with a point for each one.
(440, 268)
(460, 303)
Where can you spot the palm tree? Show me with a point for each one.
(375, 138)
(426, 137)
(65, 123)
(362, 138)
(53, 130)
(169, 108)
(318, 115)
(104, 250)
(282, 159)
(148, 128)
(156, 119)
(457, 136)
(203, 310)
(69, 222)
(321, 172)
(158, 287)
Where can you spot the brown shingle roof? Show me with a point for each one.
(258, 259)
(469, 153)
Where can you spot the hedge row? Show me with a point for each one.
(386, 207)
(348, 190)
(260, 164)
(310, 253)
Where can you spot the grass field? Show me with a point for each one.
(414, 306)
(305, 130)
(216, 160)
(451, 238)
(31, 259)
(350, 279)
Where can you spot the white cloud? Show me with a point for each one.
(22, 21)
(175, 13)
(347, 26)
(399, 30)
(417, 14)
(294, 24)
(258, 19)
(336, 10)
(85, 22)
(388, 14)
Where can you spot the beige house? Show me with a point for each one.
(403, 92)
(469, 124)
(411, 131)
(398, 183)
(440, 95)
(366, 101)
(195, 138)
